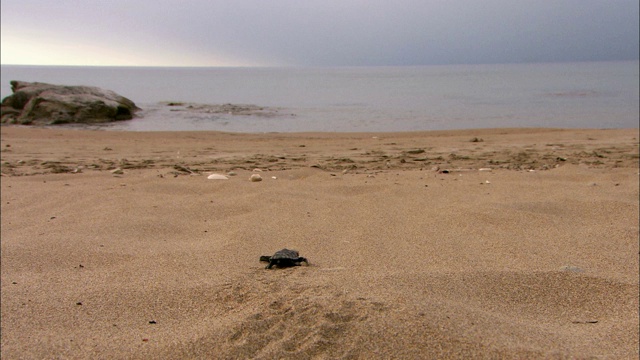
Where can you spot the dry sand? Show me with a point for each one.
(407, 260)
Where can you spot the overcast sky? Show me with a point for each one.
(316, 32)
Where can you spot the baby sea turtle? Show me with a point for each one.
(284, 258)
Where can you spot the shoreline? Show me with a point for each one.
(88, 127)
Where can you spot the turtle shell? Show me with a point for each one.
(285, 254)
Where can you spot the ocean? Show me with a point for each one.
(363, 99)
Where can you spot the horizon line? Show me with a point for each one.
(314, 66)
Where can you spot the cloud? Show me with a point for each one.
(319, 33)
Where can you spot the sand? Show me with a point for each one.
(499, 243)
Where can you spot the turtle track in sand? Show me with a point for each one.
(279, 316)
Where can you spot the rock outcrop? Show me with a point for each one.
(46, 104)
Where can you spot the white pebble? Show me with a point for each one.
(217, 177)
(256, 177)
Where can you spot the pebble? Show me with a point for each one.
(117, 171)
(415, 151)
(217, 177)
(256, 177)
(232, 173)
(484, 169)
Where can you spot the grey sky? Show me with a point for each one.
(316, 33)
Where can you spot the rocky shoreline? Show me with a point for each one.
(48, 104)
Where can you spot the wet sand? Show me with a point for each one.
(497, 243)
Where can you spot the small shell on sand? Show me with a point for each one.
(217, 177)
(256, 177)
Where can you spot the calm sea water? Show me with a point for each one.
(565, 95)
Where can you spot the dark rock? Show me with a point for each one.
(46, 104)
(415, 151)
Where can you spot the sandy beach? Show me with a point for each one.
(496, 243)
